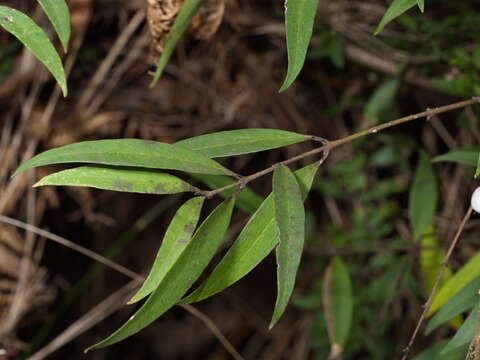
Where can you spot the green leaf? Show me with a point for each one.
(461, 302)
(243, 141)
(467, 156)
(421, 5)
(465, 334)
(338, 303)
(255, 242)
(396, 8)
(299, 20)
(247, 199)
(183, 273)
(290, 222)
(59, 15)
(134, 180)
(180, 25)
(177, 237)
(423, 196)
(128, 152)
(381, 100)
(435, 352)
(457, 282)
(35, 39)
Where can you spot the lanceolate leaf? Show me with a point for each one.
(35, 39)
(238, 142)
(182, 274)
(255, 242)
(465, 334)
(477, 171)
(135, 180)
(457, 282)
(461, 302)
(381, 100)
(176, 239)
(128, 152)
(59, 15)
(299, 20)
(467, 156)
(181, 23)
(435, 352)
(338, 303)
(397, 8)
(247, 199)
(290, 222)
(423, 196)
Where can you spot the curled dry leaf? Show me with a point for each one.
(162, 13)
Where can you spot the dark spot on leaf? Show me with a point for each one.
(123, 186)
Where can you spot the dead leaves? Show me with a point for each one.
(161, 15)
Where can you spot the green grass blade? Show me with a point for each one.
(135, 180)
(187, 268)
(35, 39)
(59, 15)
(457, 282)
(180, 25)
(467, 156)
(423, 196)
(299, 20)
(255, 242)
(177, 237)
(243, 141)
(396, 8)
(338, 303)
(128, 152)
(290, 223)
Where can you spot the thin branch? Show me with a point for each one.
(436, 285)
(123, 270)
(329, 145)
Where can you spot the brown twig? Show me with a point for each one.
(329, 145)
(438, 279)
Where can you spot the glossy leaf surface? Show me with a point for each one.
(255, 242)
(299, 20)
(177, 237)
(243, 141)
(186, 269)
(128, 152)
(290, 223)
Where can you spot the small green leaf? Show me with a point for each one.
(128, 152)
(290, 222)
(243, 141)
(381, 100)
(255, 242)
(59, 15)
(467, 156)
(461, 302)
(396, 8)
(421, 5)
(423, 196)
(338, 303)
(134, 180)
(457, 282)
(35, 39)
(299, 20)
(176, 239)
(247, 199)
(182, 274)
(435, 352)
(465, 334)
(182, 21)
